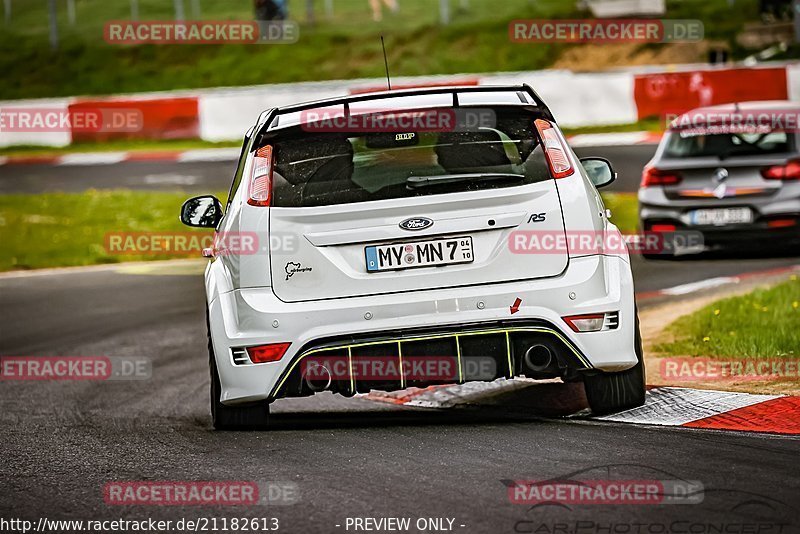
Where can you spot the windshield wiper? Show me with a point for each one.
(419, 182)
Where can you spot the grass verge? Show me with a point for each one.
(69, 229)
(645, 125)
(762, 324)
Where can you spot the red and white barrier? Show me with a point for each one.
(577, 99)
(672, 93)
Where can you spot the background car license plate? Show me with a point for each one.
(721, 216)
(419, 254)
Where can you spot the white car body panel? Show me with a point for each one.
(251, 303)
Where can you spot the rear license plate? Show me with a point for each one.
(419, 254)
(718, 217)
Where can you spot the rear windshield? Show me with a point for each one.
(317, 169)
(727, 145)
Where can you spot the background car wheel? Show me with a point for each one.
(250, 417)
(614, 392)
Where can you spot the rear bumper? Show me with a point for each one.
(656, 208)
(766, 231)
(251, 317)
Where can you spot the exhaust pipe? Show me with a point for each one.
(539, 358)
(318, 377)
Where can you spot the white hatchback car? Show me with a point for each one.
(411, 238)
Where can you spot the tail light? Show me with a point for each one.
(593, 322)
(554, 150)
(663, 228)
(781, 223)
(261, 178)
(652, 176)
(790, 171)
(267, 353)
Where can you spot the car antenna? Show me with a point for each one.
(386, 64)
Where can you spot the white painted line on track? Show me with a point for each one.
(95, 158)
(609, 139)
(122, 266)
(209, 155)
(697, 286)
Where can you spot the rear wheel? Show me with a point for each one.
(614, 392)
(249, 417)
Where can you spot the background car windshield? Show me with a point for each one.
(727, 145)
(313, 169)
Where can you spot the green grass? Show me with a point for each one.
(624, 210)
(342, 47)
(761, 324)
(67, 229)
(645, 125)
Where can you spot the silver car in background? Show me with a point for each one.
(730, 172)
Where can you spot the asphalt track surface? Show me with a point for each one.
(348, 458)
(62, 441)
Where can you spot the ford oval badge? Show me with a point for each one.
(416, 223)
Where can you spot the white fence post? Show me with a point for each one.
(51, 8)
(179, 15)
(444, 12)
(71, 12)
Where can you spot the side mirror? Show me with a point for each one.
(202, 212)
(599, 171)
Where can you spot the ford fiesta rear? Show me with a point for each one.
(389, 255)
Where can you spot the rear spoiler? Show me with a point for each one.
(525, 93)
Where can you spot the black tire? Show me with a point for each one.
(614, 392)
(247, 417)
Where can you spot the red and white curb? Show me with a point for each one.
(664, 406)
(205, 155)
(614, 139)
(718, 410)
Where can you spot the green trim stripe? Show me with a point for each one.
(506, 331)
